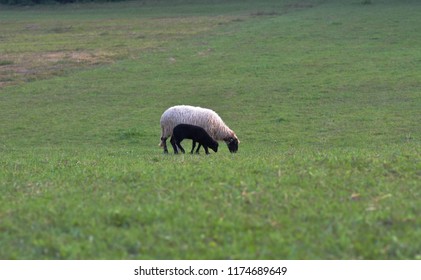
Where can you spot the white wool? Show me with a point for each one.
(206, 118)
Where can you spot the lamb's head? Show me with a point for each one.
(214, 146)
(232, 143)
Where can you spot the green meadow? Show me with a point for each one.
(325, 97)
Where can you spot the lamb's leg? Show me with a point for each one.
(181, 147)
(174, 146)
(197, 151)
(206, 149)
(192, 148)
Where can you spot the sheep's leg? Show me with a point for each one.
(164, 144)
(197, 151)
(206, 149)
(192, 148)
(174, 146)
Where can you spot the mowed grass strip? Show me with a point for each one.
(324, 99)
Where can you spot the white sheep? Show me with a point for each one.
(205, 118)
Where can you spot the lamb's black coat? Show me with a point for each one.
(195, 133)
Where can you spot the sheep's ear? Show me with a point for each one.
(228, 140)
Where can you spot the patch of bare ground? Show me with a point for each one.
(26, 67)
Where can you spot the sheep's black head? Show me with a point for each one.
(232, 144)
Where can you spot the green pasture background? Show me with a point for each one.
(325, 97)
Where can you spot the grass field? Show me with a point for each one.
(325, 97)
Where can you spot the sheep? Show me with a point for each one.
(196, 133)
(205, 118)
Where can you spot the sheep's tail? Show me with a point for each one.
(165, 133)
(161, 144)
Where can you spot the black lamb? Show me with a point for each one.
(195, 133)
